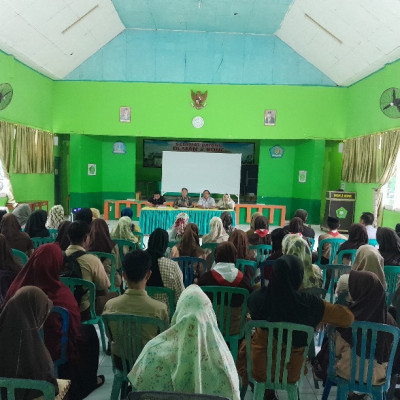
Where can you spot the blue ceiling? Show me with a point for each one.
(243, 16)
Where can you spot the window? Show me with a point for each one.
(391, 191)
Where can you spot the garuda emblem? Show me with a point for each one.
(199, 99)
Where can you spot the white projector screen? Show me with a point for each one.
(217, 172)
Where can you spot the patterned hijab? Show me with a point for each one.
(22, 212)
(368, 258)
(191, 356)
(181, 221)
(226, 218)
(55, 217)
(123, 230)
(294, 244)
(217, 232)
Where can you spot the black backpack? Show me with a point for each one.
(72, 269)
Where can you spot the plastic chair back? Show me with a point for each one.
(312, 242)
(64, 336)
(53, 233)
(38, 241)
(110, 257)
(212, 247)
(337, 270)
(277, 333)
(123, 242)
(221, 298)
(361, 381)
(334, 244)
(172, 396)
(13, 384)
(188, 265)
(392, 274)
(263, 251)
(373, 242)
(342, 253)
(72, 284)
(129, 328)
(241, 265)
(20, 256)
(140, 237)
(160, 293)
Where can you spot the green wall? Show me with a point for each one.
(391, 218)
(115, 177)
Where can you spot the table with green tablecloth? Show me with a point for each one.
(152, 218)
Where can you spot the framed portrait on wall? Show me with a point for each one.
(124, 114)
(270, 117)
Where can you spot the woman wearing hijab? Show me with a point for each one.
(62, 235)
(176, 231)
(7, 262)
(164, 272)
(36, 225)
(358, 236)
(100, 240)
(261, 232)
(369, 259)
(123, 230)
(22, 213)
(127, 212)
(294, 244)
(252, 222)
(95, 213)
(226, 203)
(193, 343)
(190, 244)
(281, 301)
(16, 239)
(369, 304)
(241, 242)
(217, 232)
(389, 245)
(22, 349)
(227, 222)
(225, 273)
(43, 270)
(55, 217)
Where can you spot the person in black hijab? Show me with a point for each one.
(389, 245)
(358, 236)
(165, 272)
(281, 301)
(62, 235)
(36, 224)
(277, 236)
(84, 214)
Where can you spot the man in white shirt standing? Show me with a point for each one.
(206, 201)
(367, 219)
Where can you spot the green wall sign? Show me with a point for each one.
(276, 151)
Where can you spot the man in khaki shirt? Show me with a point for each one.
(91, 266)
(136, 272)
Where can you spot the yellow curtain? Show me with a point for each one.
(361, 159)
(6, 142)
(44, 158)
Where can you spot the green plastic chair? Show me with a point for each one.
(337, 270)
(392, 274)
(72, 283)
(123, 242)
(212, 247)
(342, 253)
(354, 383)
(151, 395)
(38, 241)
(312, 242)
(130, 345)
(335, 244)
(13, 384)
(111, 257)
(223, 295)
(276, 332)
(263, 251)
(373, 242)
(140, 236)
(241, 265)
(53, 233)
(20, 255)
(187, 266)
(159, 292)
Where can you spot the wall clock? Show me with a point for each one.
(198, 122)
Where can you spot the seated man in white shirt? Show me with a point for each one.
(206, 201)
(367, 219)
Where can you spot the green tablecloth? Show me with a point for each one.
(152, 218)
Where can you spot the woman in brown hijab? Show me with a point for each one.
(241, 242)
(22, 350)
(62, 235)
(190, 244)
(17, 239)
(252, 222)
(100, 240)
(7, 262)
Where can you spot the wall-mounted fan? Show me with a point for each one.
(6, 94)
(390, 102)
